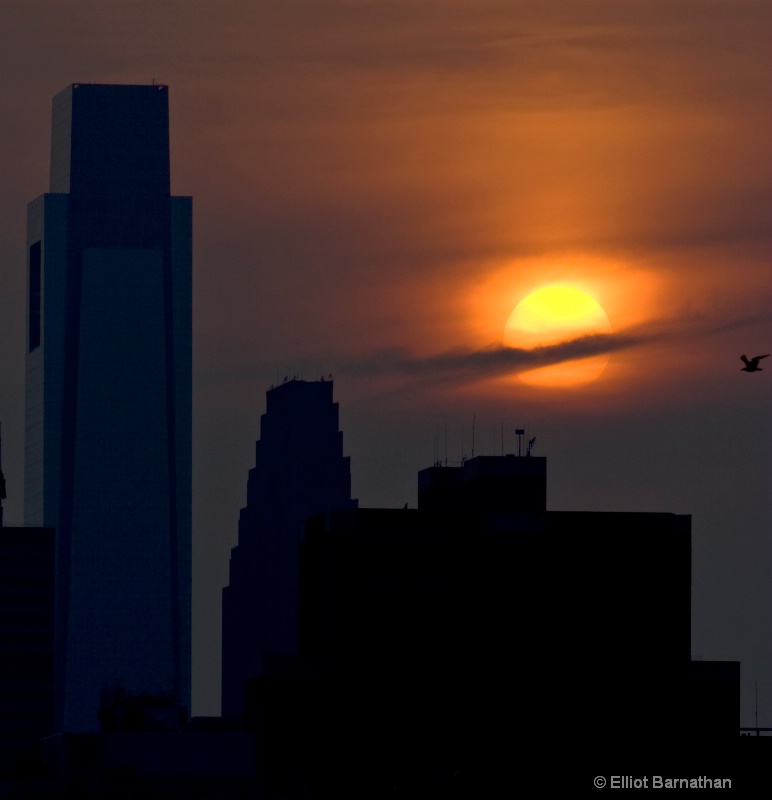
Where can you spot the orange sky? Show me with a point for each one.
(377, 184)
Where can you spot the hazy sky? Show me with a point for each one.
(377, 184)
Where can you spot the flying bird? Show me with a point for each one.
(752, 364)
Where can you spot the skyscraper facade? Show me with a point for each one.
(108, 397)
(299, 471)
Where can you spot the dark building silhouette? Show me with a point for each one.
(26, 642)
(299, 471)
(108, 397)
(486, 485)
(2, 479)
(481, 629)
(200, 760)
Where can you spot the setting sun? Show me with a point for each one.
(551, 315)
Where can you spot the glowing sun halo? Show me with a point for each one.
(551, 315)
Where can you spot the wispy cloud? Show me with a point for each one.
(492, 360)
(489, 361)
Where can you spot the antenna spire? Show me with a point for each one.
(520, 433)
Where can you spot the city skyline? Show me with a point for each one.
(377, 187)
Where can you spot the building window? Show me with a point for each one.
(34, 296)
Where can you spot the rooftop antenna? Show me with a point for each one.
(757, 708)
(531, 443)
(520, 433)
(474, 417)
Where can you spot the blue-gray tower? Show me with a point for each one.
(299, 471)
(108, 398)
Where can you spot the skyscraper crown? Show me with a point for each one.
(110, 140)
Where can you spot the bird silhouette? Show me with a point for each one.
(752, 364)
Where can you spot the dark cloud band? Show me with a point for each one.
(492, 360)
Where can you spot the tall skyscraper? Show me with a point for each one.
(299, 471)
(108, 403)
